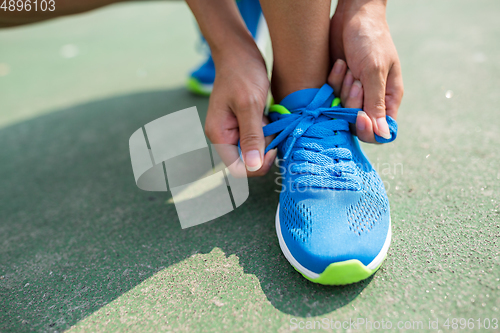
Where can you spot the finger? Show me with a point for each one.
(233, 163)
(337, 76)
(346, 86)
(364, 128)
(374, 83)
(221, 125)
(268, 158)
(249, 115)
(394, 90)
(266, 165)
(355, 97)
(230, 157)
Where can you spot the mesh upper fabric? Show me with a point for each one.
(363, 215)
(297, 218)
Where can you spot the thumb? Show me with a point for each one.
(374, 101)
(251, 137)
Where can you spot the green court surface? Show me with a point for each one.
(83, 249)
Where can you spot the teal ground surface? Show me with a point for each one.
(82, 248)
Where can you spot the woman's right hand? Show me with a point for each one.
(237, 104)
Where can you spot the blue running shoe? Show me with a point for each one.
(333, 220)
(201, 79)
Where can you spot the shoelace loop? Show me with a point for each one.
(299, 120)
(326, 164)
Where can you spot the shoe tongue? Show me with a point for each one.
(301, 98)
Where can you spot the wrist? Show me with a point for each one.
(235, 50)
(224, 30)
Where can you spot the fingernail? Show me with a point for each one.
(253, 162)
(383, 128)
(360, 124)
(338, 66)
(355, 89)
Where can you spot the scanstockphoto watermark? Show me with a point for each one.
(344, 171)
(367, 325)
(171, 153)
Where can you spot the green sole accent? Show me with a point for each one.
(279, 108)
(335, 102)
(344, 272)
(194, 86)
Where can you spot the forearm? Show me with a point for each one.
(25, 12)
(223, 28)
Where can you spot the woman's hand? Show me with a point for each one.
(360, 35)
(237, 103)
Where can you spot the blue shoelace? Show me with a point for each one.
(317, 136)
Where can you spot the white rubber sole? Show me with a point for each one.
(374, 264)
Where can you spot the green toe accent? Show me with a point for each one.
(344, 272)
(279, 108)
(194, 86)
(335, 102)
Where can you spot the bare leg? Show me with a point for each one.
(299, 32)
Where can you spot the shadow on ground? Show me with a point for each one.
(76, 232)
